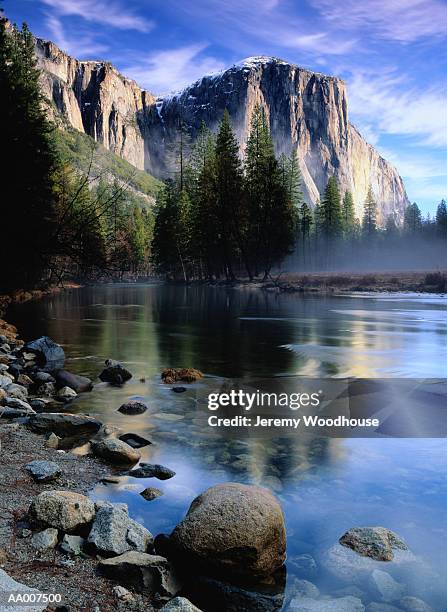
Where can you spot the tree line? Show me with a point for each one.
(56, 221)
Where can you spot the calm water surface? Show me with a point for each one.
(326, 486)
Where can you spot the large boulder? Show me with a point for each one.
(62, 510)
(49, 355)
(115, 373)
(80, 384)
(143, 571)
(233, 530)
(377, 543)
(116, 451)
(114, 533)
(64, 424)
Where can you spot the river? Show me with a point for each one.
(325, 485)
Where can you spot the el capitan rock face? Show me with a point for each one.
(307, 111)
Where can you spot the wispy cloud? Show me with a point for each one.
(82, 46)
(319, 43)
(392, 107)
(171, 69)
(104, 12)
(398, 20)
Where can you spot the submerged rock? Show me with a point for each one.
(133, 407)
(413, 604)
(48, 354)
(62, 510)
(152, 470)
(377, 543)
(115, 373)
(66, 394)
(134, 440)
(114, 533)
(143, 571)
(116, 451)
(43, 471)
(151, 493)
(173, 375)
(64, 424)
(341, 604)
(80, 384)
(233, 530)
(385, 586)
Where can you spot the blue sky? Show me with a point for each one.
(392, 53)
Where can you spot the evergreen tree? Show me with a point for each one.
(231, 223)
(348, 215)
(441, 218)
(272, 196)
(165, 256)
(306, 222)
(369, 225)
(330, 213)
(413, 219)
(29, 163)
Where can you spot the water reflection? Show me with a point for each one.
(326, 486)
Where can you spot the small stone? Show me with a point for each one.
(152, 470)
(14, 402)
(17, 391)
(180, 604)
(133, 407)
(143, 571)
(134, 440)
(66, 394)
(43, 377)
(151, 493)
(72, 544)
(179, 389)
(116, 451)
(110, 480)
(43, 471)
(123, 594)
(48, 389)
(114, 533)
(115, 373)
(374, 542)
(52, 441)
(24, 380)
(45, 540)
(63, 424)
(25, 533)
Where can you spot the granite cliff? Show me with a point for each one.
(308, 112)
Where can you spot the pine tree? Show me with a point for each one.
(441, 218)
(413, 219)
(29, 163)
(369, 225)
(228, 196)
(272, 190)
(348, 215)
(306, 222)
(330, 214)
(165, 255)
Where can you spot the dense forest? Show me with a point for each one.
(71, 209)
